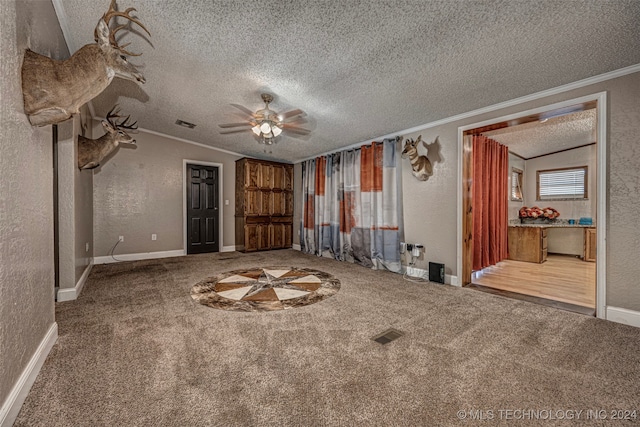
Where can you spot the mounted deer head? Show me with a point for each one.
(420, 165)
(55, 90)
(92, 151)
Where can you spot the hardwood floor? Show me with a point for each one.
(561, 278)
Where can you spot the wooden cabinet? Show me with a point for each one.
(590, 239)
(264, 205)
(527, 244)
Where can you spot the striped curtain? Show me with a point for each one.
(352, 206)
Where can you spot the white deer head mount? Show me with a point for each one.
(91, 152)
(55, 90)
(420, 165)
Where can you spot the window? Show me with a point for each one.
(516, 184)
(559, 184)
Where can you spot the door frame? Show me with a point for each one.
(601, 186)
(184, 201)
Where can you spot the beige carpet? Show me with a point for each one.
(136, 350)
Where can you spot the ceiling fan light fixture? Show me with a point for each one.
(266, 124)
(265, 127)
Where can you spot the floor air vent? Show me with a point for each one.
(387, 336)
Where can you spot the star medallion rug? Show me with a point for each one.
(265, 288)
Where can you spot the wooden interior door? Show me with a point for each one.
(202, 209)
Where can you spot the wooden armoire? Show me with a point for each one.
(264, 205)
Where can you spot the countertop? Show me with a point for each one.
(553, 225)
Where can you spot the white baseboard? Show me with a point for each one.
(138, 257)
(70, 294)
(623, 315)
(296, 246)
(228, 249)
(11, 406)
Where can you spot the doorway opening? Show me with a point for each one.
(202, 211)
(560, 262)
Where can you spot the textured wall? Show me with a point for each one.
(565, 241)
(430, 207)
(66, 211)
(83, 209)
(623, 237)
(26, 204)
(514, 206)
(75, 207)
(584, 156)
(139, 191)
(429, 214)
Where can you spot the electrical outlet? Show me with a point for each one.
(86, 247)
(154, 237)
(120, 238)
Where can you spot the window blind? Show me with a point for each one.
(562, 184)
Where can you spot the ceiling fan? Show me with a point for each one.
(266, 123)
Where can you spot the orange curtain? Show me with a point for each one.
(490, 202)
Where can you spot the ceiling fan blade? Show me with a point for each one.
(234, 131)
(300, 131)
(243, 109)
(232, 125)
(292, 113)
(294, 120)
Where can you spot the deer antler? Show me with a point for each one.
(114, 113)
(112, 33)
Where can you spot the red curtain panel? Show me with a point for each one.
(489, 202)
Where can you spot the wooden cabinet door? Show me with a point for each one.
(251, 237)
(525, 244)
(266, 202)
(287, 209)
(252, 202)
(277, 207)
(281, 236)
(288, 178)
(278, 177)
(266, 176)
(277, 236)
(590, 239)
(252, 174)
(264, 238)
(288, 236)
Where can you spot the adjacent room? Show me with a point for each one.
(552, 211)
(275, 213)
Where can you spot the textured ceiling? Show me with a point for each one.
(556, 134)
(359, 69)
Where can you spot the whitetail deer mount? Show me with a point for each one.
(91, 152)
(55, 90)
(420, 165)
